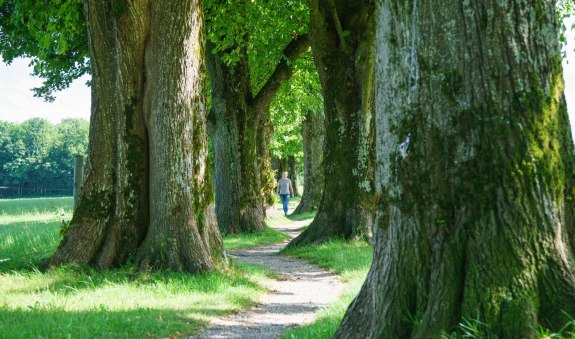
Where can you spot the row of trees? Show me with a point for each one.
(37, 157)
(445, 135)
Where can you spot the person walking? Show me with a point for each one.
(285, 190)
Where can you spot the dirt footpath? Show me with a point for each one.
(300, 290)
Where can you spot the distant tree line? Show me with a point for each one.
(37, 157)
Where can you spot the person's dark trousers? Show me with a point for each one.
(285, 202)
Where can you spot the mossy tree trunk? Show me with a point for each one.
(342, 38)
(147, 192)
(312, 134)
(475, 171)
(84, 237)
(242, 132)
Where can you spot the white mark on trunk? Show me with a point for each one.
(404, 146)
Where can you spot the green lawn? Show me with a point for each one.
(79, 302)
(350, 260)
(267, 236)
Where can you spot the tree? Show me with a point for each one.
(342, 39)
(71, 138)
(52, 34)
(312, 134)
(26, 152)
(244, 84)
(36, 156)
(147, 192)
(297, 97)
(475, 168)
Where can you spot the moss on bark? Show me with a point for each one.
(475, 170)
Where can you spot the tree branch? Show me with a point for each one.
(282, 72)
(337, 23)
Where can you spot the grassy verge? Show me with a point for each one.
(350, 260)
(80, 302)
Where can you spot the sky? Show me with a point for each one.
(17, 102)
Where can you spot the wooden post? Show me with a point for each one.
(78, 177)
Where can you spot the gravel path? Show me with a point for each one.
(301, 288)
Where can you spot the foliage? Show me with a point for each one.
(300, 94)
(36, 155)
(72, 301)
(565, 13)
(52, 33)
(476, 329)
(351, 260)
(261, 27)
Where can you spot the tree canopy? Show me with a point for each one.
(300, 94)
(52, 33)
(37, 156)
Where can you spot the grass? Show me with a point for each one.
(267, 236)
(80, 302)
(350, 260)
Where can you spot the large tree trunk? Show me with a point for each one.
(312, 134)
(147, 175)
(242, 132)
(128, 225)
(345, 66)
(239, 201)
(475, 171)
(183, 232)
(84, 239)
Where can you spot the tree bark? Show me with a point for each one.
(148, 151)
(183, 232)
(313, 135)
(239, 200)
(85, 235)
(293, 174)
(242, 132)
(474, 174)
(345, 66)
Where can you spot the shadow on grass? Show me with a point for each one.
(102, 323)
(69, 280)
(302, 216)
(24, 245)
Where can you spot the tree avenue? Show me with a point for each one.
(475, 169)
(240, 115)
(342, 39)
(147, 192)
(242, 133)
